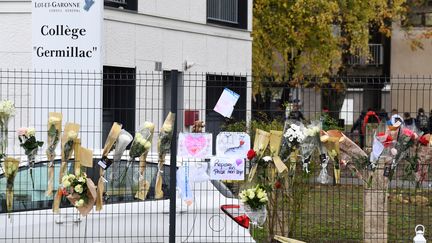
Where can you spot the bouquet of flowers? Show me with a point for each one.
(105, 163)
(292, 138)
(140, 145)
(10, 168)
(7, 110)
(28, 142)
(311, 140)
(144, 185)
(331, 139)
(69, 136)
(54, 131)
(405, 141)
(164, 145)
(352, 156)
(275, 145)
(254, 201)
(255, 155)
(424, 158)
(80, 191)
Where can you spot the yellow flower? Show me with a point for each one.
(149, 125)
(66, 183)
(147, 145)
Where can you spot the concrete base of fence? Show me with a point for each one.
(375, 202)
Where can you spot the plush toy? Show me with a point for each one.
(198, 126)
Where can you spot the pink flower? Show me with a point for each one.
(22, 131)
(407, 132)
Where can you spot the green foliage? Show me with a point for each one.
(329, 123)
(309, 37)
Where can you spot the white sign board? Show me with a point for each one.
(66, 35)
(226, 103)
(227, 169)
(232, 144)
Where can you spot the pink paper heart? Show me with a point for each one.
(239, 161)
(195, 145)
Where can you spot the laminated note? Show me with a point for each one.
(226, 103)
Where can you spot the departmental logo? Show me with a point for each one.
(88, 4)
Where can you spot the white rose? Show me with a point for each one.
(81, 179)
(147, 145)
(267, 158)
(149, 125)
(53, 119)
(251, 195)
(72, 135)
(167, 127)
(78, 188)
(260, 194)
(66, 183)
(31, 131)
(79, 203)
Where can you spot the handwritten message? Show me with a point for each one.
(195, 145)
(227, 169)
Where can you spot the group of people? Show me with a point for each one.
(421, 121)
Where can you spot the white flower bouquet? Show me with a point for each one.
(140, 145)
(143, 184)
(7, 110)
(255, 201)
(80, 191)
(54, 131)
(28, 142)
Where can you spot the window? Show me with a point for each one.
(420, 14)
(119, 90)
(231, 13)
(123, 4)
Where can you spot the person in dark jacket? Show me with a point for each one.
(358, 125)
(409, 121)
(296, 114)
(422, 121)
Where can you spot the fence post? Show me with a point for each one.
(375, 205)
(173, 159)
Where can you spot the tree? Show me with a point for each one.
(294, 40)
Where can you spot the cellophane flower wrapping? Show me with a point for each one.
(140, 145)
(310, 142)
(163, 147)
(254, 201)
(10, 168)
(54, 132)
(7, 110)
(143, 184)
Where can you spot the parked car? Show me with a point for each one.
(214, 215)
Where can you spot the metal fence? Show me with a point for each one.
(320, 213)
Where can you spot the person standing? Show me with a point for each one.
(422, 121)
(409, 121)
(358, 125)
(296, 114)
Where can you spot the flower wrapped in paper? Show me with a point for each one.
(143, 184)
(352, 156)
(140, 145)
(80, 191)
(28, 142)
(262, 139)
(10, 168)
(275, 145)
(164, 145)
(7, 110)
(54, 132)
(406, 140)
(424, 158)
(331, 140)
(105, 163)
(70, 134)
